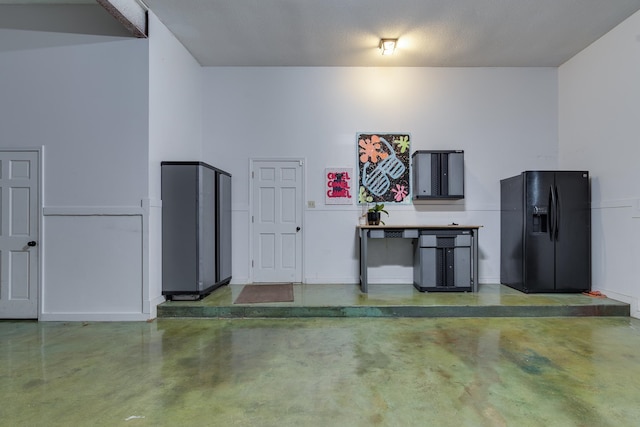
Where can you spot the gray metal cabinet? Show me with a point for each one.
(196, 229)
(438, 174)
(224, 227)
(443, 260)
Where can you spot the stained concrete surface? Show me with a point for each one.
(322, 372)
(339, 300)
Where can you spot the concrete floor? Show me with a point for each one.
(569, 371)
(336, 300)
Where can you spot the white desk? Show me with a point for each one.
(367, 232)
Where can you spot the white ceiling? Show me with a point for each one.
(434, 33)
(451, 33)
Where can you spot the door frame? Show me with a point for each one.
(40, 220)
(302, 161)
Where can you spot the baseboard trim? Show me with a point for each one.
(95, 317)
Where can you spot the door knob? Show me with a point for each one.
(297, 228)
(32, 243)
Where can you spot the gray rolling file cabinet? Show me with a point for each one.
(196, 229)
(445, 256)
(443, 261)
(438, 174)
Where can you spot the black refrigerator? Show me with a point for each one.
(545, 231)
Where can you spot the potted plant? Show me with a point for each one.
(374, 214)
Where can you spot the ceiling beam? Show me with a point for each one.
(130, 13)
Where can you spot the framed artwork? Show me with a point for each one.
(338, 186)
(384, 167)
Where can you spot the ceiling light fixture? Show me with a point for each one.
(387, 46)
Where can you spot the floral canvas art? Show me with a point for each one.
(384, 164)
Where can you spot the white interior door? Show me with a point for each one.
(19, 172)
(277, 220)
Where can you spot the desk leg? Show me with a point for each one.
(363, 261)
(474, 258)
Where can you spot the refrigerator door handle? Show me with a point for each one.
(551, 215)
(556, 208)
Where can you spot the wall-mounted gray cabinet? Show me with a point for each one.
(196, 229)
(438, 174)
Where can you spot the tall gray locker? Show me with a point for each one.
(196, 229)
(224, 227)
(438, 174)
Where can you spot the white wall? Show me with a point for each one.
(599, 91)
(175, 102)
(86, 103)
(175, 128)
(107, 111)
(505, 119)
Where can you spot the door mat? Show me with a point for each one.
(265, 293)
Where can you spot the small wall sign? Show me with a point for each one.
(338, 186)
